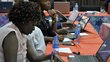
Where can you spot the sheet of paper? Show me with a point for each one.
(64, 50)
(81, 34)
(66, 40)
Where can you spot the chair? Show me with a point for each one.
(89, 5)
(3, 20)
(5, 6)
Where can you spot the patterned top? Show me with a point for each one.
(21, 53)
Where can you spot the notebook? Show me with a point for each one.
(83, 22)
(63, 7)
(70, 18)
(73, 16)
(5, 6)
(103, 50)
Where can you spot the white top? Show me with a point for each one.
(37, 39)
(21, 53)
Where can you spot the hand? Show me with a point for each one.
(52, 13)
(60, 37)
(62, 31)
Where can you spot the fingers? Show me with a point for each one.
(62, 31)
(52, 12)
(61, 37)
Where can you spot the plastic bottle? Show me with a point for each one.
(55, 44)
(76, 7)
(77, 33)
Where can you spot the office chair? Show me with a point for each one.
(89, 5)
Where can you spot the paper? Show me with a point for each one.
(66, 40)
(81, 34)
(92, 12)
(64, 50)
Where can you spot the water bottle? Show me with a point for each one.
(55, 44)
(77, 33)
(76, 7)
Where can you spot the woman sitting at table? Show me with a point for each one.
(106, 4)
(14, 46)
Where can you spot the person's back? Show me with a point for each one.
(106, 4)
(14, 46)
(21, 53)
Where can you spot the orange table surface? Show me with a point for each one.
(88, 45)
(97, 14)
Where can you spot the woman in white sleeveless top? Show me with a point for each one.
(13, 43)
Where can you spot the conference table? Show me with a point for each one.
(93, 14)
(88, 45)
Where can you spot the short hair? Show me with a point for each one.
(24, 12)
(38, 1)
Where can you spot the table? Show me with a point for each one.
(89, 45)
(104, 30)
(97, 14)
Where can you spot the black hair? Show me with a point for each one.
(24, 12)
(37, 1)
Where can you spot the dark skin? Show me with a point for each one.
(25, 25)
(45, 5)
(11, 55)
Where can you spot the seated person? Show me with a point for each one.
(106, 4)
(14, 46)
(37, 39)
(52, 12)
(47, 29)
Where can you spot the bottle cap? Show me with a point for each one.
(55, 37)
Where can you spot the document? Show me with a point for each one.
(66, 40)
(64, 50)
(81, 34)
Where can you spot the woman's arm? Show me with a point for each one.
(32, 55)
(53, 14)
(10, 47)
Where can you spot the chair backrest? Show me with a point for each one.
(3, 20)
(89, 5)
(63, 7)
(5, 6)
(108, 8)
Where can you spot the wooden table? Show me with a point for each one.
(97, 14)
(89, 44)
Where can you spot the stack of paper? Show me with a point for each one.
(64, 50)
